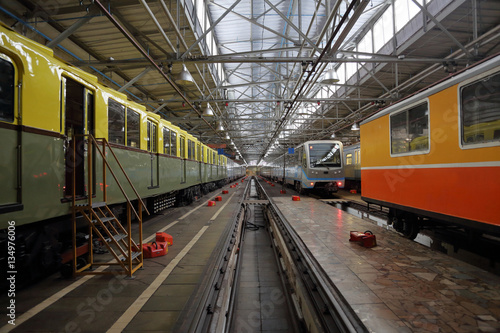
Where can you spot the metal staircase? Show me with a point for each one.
(103, 225)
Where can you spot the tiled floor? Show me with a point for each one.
(399, 285)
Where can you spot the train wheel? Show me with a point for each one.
(298, 188)
(411, 226)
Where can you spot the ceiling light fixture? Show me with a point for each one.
(330, 77)
(184, 78)
(208, 112)
(219, 127)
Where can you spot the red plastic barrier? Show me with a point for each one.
(367, 238)
(163, 237)
(154, 249)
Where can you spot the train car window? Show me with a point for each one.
(198, 146)
(166, 140)
(324, 154)
(410, 130)
(348, 159)
(214, 158)
(152, 136)
(133, 128)
(480, 111)
(191, 150)
(116, 122)
(7, 88)
(202, 152)
(173, 143)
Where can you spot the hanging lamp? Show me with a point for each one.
(208, 112)
(330, 77)
(184, 78)
(219, 127)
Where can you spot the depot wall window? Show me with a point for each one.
(410, 130)
(480, 112)
(133, 128)
(116, 122)
(7, 87)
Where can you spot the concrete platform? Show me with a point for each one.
(154, 300)
(399, 285)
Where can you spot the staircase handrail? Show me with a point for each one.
(105, 142)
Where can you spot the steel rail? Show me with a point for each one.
(333, 311)
(205, 311)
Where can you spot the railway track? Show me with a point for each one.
(312, 299)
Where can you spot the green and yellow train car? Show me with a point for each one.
(48, 106)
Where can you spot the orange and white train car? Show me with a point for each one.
(435, 156)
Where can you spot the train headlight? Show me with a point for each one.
(339, 184)
(312, 184)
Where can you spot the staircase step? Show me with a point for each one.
(134, 255)
(106, 219)
(117, 237)
(94, 204)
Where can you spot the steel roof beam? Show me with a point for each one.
(261, 25)
(443, 29)
(68, 32)
(212, 26)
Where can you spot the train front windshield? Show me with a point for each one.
(324, 155)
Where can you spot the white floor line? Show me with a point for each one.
(130, 313)
(60, 294)
(49, 301)
(153, 236)
(223, 206)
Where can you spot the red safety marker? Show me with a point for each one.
(211, 203)
(163, 237)
(367, 238)
(295, 198)
(154, 249)
(353, 191)
(225, 191)
(218, 198)
(283, 191)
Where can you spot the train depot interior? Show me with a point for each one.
(250, 166)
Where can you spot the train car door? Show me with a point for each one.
(182, 142)
(199, 158)
(78, 120)
(152, 133)
(10, 154)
